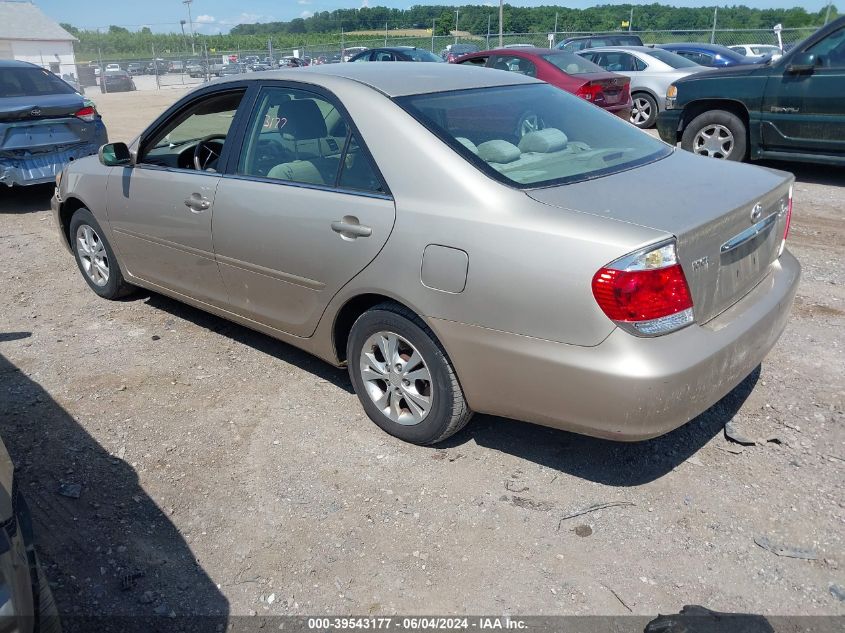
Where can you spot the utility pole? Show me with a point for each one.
(713, 32)
(631, 19)
(456, 25)
(385, 33)
(187, 3)
(501, 13)
(556, 24)
(827, 15)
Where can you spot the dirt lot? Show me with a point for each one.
(223, 472)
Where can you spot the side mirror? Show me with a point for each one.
(115, 155)
(802, 63)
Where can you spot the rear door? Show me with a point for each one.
(299, 214)
(805, 112)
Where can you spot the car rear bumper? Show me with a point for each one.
(667, 125)
(623, 111)
(626, 388)
(41, 168)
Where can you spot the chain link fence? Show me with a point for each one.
(182, 70)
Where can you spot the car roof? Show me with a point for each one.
(636, 49)
(699, 46)
(14, 63)
(395, 80)
(591, 37)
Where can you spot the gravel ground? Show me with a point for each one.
(222, 472)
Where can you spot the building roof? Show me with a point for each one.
(25, 21)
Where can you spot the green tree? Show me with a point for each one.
(445, 23)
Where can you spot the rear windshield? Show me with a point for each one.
(31, 82)
(572, 64)
(671, 59)
(533, 135)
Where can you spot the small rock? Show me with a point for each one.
(583, 530)
(67, 489)
(837, 591)
(735, 434)
(271, 598)
(155, 337)
(147, 598)
(162, 609)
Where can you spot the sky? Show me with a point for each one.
(218, 16)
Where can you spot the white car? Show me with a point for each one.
(112, 67)
(757, 50)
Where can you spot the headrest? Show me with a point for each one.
(301, 119)
(543, 141)
(498, 151)
(297, 171)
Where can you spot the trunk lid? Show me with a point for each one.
(606, 89)
(39, 124)
(728, 218)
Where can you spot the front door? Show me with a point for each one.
(303, 213)
(161, 209)
(803, 112)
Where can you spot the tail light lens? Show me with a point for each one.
(788, 222)
(590, 92)
(88, 113)
(646, 292)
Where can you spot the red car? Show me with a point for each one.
(564, 70)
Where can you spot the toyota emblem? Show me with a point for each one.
(756, 212)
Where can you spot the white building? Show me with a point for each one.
(28, 35)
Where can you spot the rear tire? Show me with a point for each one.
(717, 134)
(403, 378)
(644, 112)
(95, 257)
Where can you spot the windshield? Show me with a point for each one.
(670, 59)
(31, 82)
(572, 64)
(422, 55)
(533, 135)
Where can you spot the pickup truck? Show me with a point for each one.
(791, 109)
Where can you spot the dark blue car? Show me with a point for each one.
(44, 124)
(711, 55)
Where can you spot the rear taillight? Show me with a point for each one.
(646, 292)
(788, 221)
(590, 92)
(88, 113)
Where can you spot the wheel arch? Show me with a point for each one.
(696, 108)
(353, 308)
(70, 205)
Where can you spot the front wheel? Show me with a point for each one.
(403, 378)
(717, 134)
(95, 257)
(644, 112)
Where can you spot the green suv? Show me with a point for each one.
(789, 109)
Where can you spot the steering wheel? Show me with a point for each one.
(529, 122)
(212, 151)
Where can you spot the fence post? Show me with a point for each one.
(103, 87)
(713, 32)
(155, 66)
(433, 22)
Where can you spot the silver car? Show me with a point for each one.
(402, 220)
(652, 71)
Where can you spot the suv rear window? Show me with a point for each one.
(31, 82)
(533, 135)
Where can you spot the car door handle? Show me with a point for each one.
(195, 202)
(350, 229)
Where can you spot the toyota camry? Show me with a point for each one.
(462, 240)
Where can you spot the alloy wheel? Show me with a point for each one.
(714, 140)
(92, 254)
(396, 378)
(641, 112)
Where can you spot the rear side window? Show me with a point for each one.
(533, 135)
(671, 59)
(475, 61)
(31, 82)
(299, 136)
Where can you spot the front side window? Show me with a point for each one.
(421, 55)
(699, 58)
(671, 59)
(383, 56)
(24, 81)
(830, 52)
(533, 135)
(200, 129)
(299, 136)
